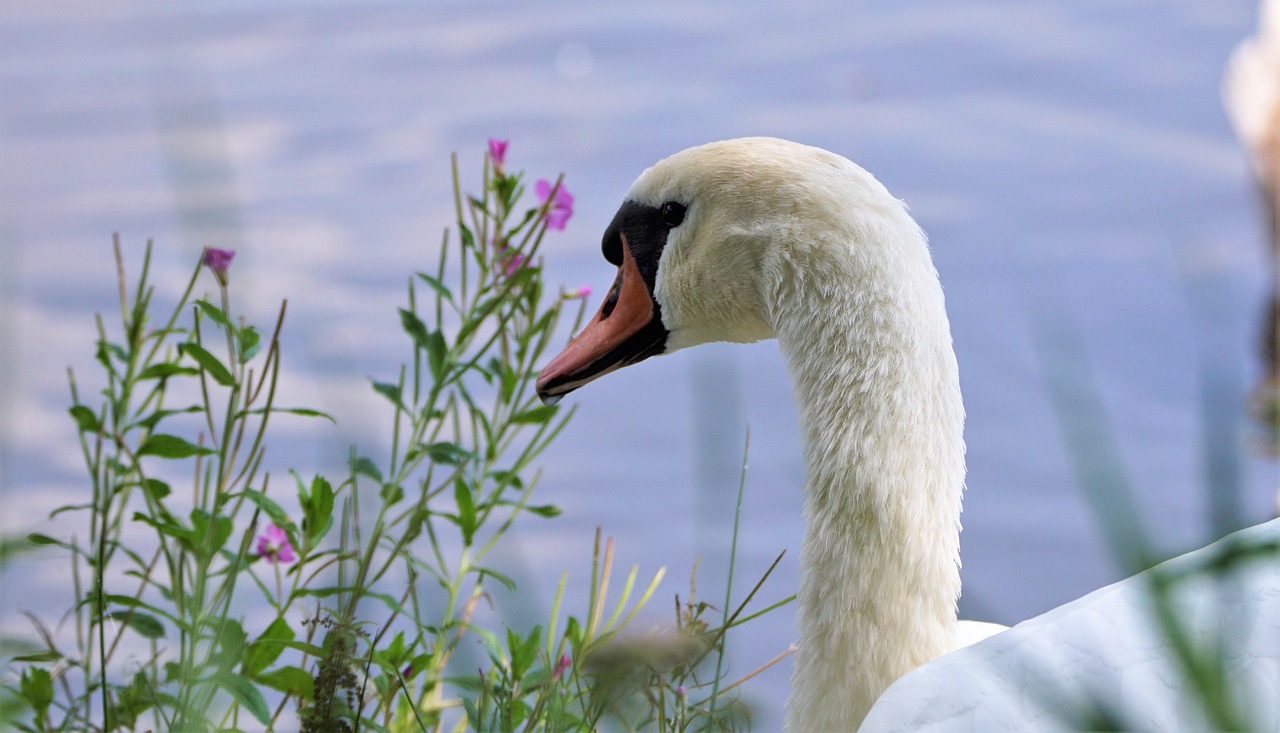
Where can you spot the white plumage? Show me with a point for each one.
(766, 238)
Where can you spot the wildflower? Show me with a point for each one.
(680, 691)
(560, 208)
(498, 152)
(408, 671)
(274, 545)
(560, 667)
(581, 292)
(218, 260)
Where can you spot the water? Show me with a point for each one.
(1061, 155)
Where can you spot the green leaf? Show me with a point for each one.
(414, 326)
(269, 507)
(36, 538)
(448, 453)
(50, 656)
(266, 648)
(213, 313)
(209, 363)
(466, 511)
(85, 419)
(303, 411)
(290, 680)
(524, 652)
(145, 624)
(37, 689)
(167, 526)
(245, 693)
(507, 478)
(306, 647)
(149, 422)
(317, 509)
(231, 644)
(501, 578)
(546, 510)
(166, 369)
(156, 488)
(392, 392)
(392, 493)
(436, 351)
(118, 599)
(171, 446)
(437, 286)
(366, 467)
(250, 342)
(210, 538)
(535, 414)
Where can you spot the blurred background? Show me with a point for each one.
(1070, 160)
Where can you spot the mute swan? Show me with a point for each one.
(754, 238)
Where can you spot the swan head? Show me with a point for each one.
(699, 242)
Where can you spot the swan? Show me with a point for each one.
(755, 238)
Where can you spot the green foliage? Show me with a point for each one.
(369, 581)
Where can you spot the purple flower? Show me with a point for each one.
(498, 152)
(560, 208)
(218, 260)
(274, 545)
(560, 667)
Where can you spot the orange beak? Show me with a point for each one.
(627, 329)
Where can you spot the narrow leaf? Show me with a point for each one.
(209, 363)
(535, 414)
(437, 286)
(166, 369)
(171, 446)
(466, 510)
(213, 313)
(145, 624)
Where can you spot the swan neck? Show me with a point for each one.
(877, 389)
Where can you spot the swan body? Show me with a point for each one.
(1103, 651)
(754, 238)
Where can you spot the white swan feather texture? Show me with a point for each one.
(799, 243)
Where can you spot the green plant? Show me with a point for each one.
(205, 598)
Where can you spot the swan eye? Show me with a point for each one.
(672, 214)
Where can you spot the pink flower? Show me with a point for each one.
(218, 260)
(498, 152)
(560, 667)
(581, 292)
(274, 545)
(561, 207)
